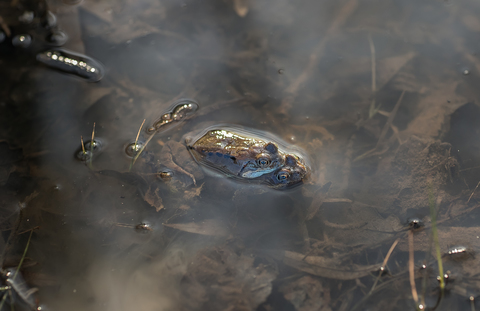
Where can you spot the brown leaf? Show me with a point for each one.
(326, 267)
(306, 294)
(195, 192)
(225, 278)
(153, 198)
(207, 227)
(241, 7)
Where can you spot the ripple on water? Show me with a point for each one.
(22, 41)
(89, 150)
(133, 148)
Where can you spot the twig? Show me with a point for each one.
(319, 49)
(23, 256)
(138, 152)
(138, 134)
(382, 268)
(5, 27)
(4, 298)
(92, 142)
(373, 110)
(384, 132)
(83, 146)
(473, 192)
(470, 168)
(411, 267)
(390, 119)
(433, 216)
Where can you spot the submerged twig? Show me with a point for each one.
(23, 256)
(92, 143)
(411, 267)
(433, 215)
(5, 27)
(389, 122)
(473, 192)
(4, 298)
(373, 110)
(383, 133)
(345, 12)
(384, 264)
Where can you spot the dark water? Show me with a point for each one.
(382, 97)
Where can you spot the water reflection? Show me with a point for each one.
(375, 94)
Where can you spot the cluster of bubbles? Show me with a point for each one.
(40, 23)
(36, 32)
(70, 62)
(180, 110)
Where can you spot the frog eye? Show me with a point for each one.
(263, 160)
(283, 176)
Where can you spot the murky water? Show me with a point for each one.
(381, 96)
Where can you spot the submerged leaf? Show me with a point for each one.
(207, 227)
(241, 7)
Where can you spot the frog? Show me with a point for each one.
(242, 154)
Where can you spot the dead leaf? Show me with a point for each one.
(327, 267)
(153, 198)
(306, 294)
(209, 227)
(224, 278)
(241, 7)
(195, 192)
(184, 207)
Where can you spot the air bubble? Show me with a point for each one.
(96, 146)
(415, 223)
(143, 228)
(281, 71)
(466, 72)
(70, 62)
(84, 156)
(132, 149)
(51, 20)
(458, 250)
(57, 38)
(22, 41)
